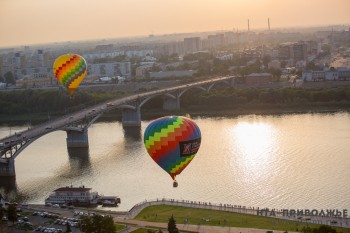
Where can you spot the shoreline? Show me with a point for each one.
(137, 208)
(211, 111)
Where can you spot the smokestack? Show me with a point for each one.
(248, 26)
(268, 23)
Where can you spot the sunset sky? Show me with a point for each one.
(25, 22)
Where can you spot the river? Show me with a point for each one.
(275, 161)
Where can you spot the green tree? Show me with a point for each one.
(9, 77)
(204, 68)
(86, 225)
(68, 228)
(1, 212)
(283, 64)
(220, 67)
(172, 225)
(97, 224)
(266, 59)
(324, 229)
(163, 58)
(320, 229)
(312, 66)
(276, 73)
(12, 213)
(108, 225)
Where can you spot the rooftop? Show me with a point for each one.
(72, 189)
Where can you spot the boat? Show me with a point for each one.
(108, 201)
(69, 195)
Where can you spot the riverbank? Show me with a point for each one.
(194, 111)
(200, 216)
(266, 109)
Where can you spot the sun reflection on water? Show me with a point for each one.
(256, 141)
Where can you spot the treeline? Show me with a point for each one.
(59, 102)
(285, 96)
(320, 229)
(49, 101)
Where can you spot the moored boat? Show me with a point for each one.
(69, 195)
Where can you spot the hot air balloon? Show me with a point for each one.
(172, 142)
(70, 70)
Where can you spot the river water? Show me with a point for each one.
(287, 161)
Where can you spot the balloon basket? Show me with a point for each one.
(175, 184)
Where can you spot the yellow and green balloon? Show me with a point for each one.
(70, 70)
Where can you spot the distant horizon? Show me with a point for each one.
(252, 30)
(33, 22)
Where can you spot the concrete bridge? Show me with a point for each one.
(77, 124)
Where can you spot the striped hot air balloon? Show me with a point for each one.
(172, 142)
(70, 70)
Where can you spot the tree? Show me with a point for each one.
(283, 64)
(9, 78)
(320, 229)
(204, 67)
(266, 59)
(172, 225)
(312, 66)
(1, 212)
(12, 213)
(97, 224)
(68, 228)
(108, 225)
(324, 229)
(276, 73)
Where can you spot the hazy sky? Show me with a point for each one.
(24, 22)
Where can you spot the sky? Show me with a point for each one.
(27, 22)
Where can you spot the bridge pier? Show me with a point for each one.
(171, 104)
(131, 117)
(77, 138)
(7, 167)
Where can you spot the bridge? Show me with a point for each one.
(77, 124)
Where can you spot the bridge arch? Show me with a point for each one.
(151, 97)
(213, 84)
(185, 90)
(23, 146)
(93, 120)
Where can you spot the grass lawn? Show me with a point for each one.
(144, 230)
(140, 230)
(182, 215)
(119, 227)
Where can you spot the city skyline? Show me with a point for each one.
(41, 21)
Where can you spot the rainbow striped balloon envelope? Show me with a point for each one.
(70, 70)
(172, 142)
